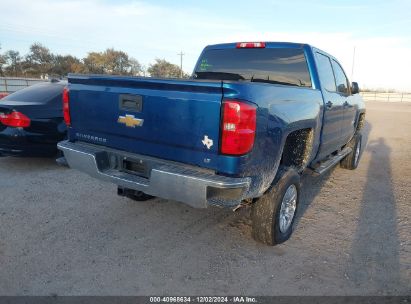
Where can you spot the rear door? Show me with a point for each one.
(331, 136)
(348, 123)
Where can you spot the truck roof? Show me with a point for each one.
(268, 44)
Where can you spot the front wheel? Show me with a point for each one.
(273, 214)
(353, 158)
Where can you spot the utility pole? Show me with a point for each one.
(181, 54)
(353, 61)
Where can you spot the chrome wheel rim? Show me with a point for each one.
(288, 206)
(357, 153)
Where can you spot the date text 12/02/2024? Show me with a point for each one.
(234, 299)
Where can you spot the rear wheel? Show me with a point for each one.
(353, 158)
(273, 214)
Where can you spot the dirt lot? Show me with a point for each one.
(64, 233)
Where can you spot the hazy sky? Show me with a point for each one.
(379, 30)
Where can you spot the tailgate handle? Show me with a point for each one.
(130, 102)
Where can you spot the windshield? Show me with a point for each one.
(285, 66)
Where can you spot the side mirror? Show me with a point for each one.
(354, 88)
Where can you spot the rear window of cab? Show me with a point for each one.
(283, 66)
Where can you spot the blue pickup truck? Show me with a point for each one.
(251, 119)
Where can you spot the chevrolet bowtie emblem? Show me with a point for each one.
(130, 121)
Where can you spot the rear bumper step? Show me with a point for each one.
(188, 184)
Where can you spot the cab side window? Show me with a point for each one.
(340, 79)
(325, 72)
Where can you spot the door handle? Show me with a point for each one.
(345, 104)
(128, 102)
(329, 104)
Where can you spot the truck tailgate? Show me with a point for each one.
(156, 117)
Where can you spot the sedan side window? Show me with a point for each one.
(340, 78)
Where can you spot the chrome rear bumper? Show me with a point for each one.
(194, 186)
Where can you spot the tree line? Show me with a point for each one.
(40, 62)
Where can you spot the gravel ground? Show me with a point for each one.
(64, 233)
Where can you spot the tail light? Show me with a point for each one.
(15, 119)
(238, 125)
(2, 95)
(66, 106)
(250, 45)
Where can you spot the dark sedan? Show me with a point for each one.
(31, 120)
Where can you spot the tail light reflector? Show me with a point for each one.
(15, 119)
(238, 125)
(250, 45)
(66, 106)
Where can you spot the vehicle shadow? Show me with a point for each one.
(311, 185)
(374, 260)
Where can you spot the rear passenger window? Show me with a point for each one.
(326, 72)
(340, 78)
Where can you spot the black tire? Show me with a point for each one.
(134, 194)
(265, 212)
(352, 160)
